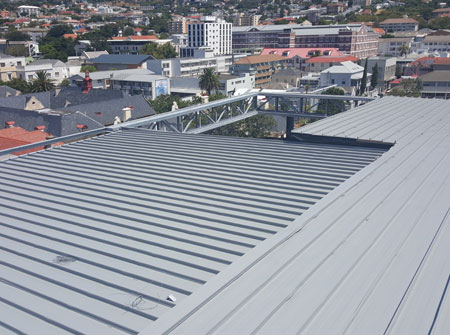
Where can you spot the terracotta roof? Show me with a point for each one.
(301, 52)
(143, 37)
(14, 137)
(441, 10)
(72, 36)
(399, 20)
(332, 59)
(379, 31)
(260, 59)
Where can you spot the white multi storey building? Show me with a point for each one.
(210, 32)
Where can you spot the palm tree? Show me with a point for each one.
(42, 83)
(209, 81)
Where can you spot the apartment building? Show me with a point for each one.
(132, 45)
(28, 10)
(344, 74)
(55, 69)
(262, 67)
(241, 19)
(437, 43)
(386, 67)
(187, 67)
(436, 84)
(178, 25)
(395, 46)
(211, 32)
(8, 66)
(297, 57)
(441, 12)
(399, 24)
(355, 39)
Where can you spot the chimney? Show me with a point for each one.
(126, 113)
(41, 128)
(9, 124)
(87, 83)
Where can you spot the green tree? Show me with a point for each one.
(256, 126)
(59, 30)
(16, 35)
(374, 80)
(90, 68)
(17, 51)
(334, 106)
(42, 82)
(363, 86)
(404, 49)
(209, 81)
(163, 103)
(128, 31)
(18, 84)
(159, 51)
(65, 83)
(408, 88)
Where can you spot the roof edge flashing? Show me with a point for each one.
(335, 140)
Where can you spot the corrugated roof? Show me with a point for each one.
(300, 52)
(95, 235)
(121, 59)
(369, 258)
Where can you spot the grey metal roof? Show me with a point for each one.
(121, 59)
(96, 234)
(372, 257)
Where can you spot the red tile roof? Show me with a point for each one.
(72, 36)
(332, 59)
(379, 31)
(14, 137)
(301, 52)
(442, 61)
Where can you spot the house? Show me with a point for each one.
(298, 56)
(436, 84)
(8, 66)
(71, 109)
(399, 24)
(344, 74)
(55, 69)
(262, 67)
(120, 62)
(317, 64)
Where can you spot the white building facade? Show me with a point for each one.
(211, 32)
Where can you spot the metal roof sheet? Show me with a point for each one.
(372, 257)
(95, 235)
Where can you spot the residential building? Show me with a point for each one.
(362, 3)
(262, 67)
(437, 43)
(436, 84)
(211, 32)
(131, 45)
(419, 66)
(441, 12)
(178, 25)
(298, 56)
(320, 63)
(230, 83)
(179, 41)
(35, 33)
(355, 39)
(28, 10)
(311, 79)
(241, 19)
(399, 24)
(120, 62)
(55, 69)
(344, 74)
(70, 110)
(187, 67)
(8, 66)
(335, 8)
(441, 63)
(395, 46)
(386, 68)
